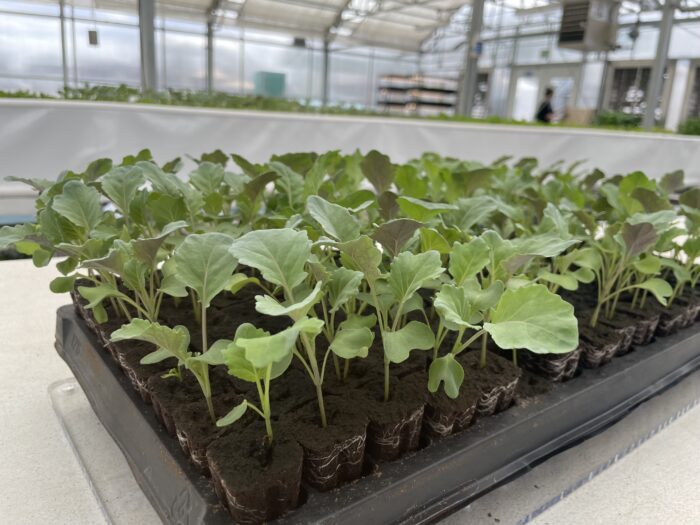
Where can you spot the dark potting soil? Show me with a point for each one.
(444, 416)
(394, 425)
(195, 429)
(333, 455)
(496, 382)
(645, 320)
(129, 355)
(601, 344)
(530, 386)
(671, 320)
(256, 482)
(555, 367)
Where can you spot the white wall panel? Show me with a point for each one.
(42, 138)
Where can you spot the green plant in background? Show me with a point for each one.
(618, 119)
(690, 127)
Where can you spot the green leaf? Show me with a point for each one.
(409, 272)
(214, 356)
(361, 254)
(359, 321)
(38, 184)
(162, 182)
(378, 170)
(10, 235)
(335, 220)
(584, 275)
(662, 221)
(100, 313)
(672, 181)
(146, 250)
(690, 198)
(431, 239)
(268, 349)
(96, 294)
(422, 210)
(156, 357)
(280, 255)
(175, 341)
(343, 285)
(680, 272)
(448, 371)
(648, 265)
(270, 306)
(586, 258)
(121, 185)
(234, 415)
(208, 177)
(97, 168)
(471, 211)
(171, 283)
(411, 182)
(166, 209)
(543, 245)
(80, 204)
(393, 235)
(41, 257)
(352, 342)
(309, 325)
(566, 281)
(413, 336)
(467, 260)
(532, 317)
(456, 306)
(62, 284)
(205, 264)
(658, 287)
(238, 281)
(289, 183)
(650, 201)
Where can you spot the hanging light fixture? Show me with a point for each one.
(93, 39)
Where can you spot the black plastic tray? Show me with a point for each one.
(416, 489)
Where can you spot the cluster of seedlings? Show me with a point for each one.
(297, 323)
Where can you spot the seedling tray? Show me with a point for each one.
(419, 488)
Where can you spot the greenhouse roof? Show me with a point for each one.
(395, 24)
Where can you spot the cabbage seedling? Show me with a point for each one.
(529, 317)
(281, 256)
(173, 343)
(258, 357)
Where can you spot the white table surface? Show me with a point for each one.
(41, 481)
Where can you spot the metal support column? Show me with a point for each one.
(603, 84)
(656, 79)
(147, 14)
(64, 58)
(471, 59)
(326, 70)
(210, 56)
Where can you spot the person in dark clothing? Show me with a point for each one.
(545, 113)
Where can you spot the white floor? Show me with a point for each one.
(41, 481)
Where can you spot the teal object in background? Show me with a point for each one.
(268, 84)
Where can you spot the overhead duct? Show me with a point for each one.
(589, 25)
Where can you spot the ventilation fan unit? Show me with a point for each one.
(589, 25)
